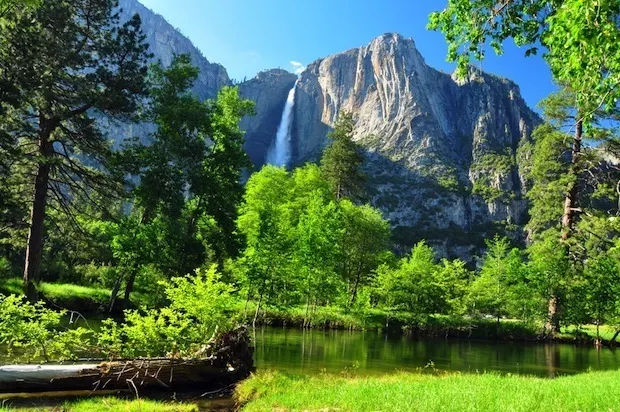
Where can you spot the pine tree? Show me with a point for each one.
(342, 161)
(71, 62)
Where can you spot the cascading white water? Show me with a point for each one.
(279, 153)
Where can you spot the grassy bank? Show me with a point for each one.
(90, 300)
(379, 319)
(415, 392)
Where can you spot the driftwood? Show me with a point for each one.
(230, 361)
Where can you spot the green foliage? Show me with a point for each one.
(66, 71)
(492, 166)
(359, 258)
(422, 287)
(32, 332)
(198, 308)
(482, 187)
(302, 244)
(550, 177)
(497, 289)
(595, 294)
(549, 269)
(495, 163)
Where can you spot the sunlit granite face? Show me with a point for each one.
(445, 155)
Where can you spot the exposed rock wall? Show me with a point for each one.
(442, 152)
(269, 89)
(165, 41)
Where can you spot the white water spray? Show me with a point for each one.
(280, 151)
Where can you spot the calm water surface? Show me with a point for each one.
(316, 351)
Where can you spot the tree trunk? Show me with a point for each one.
(552, 325)
(260, 300)
(355, 286)
(34, 249)
(131, 280)
(568, 220)
(570, 203)
(613, 338)
(229, 361)
(115, 290)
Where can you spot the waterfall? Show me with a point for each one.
(280, 151)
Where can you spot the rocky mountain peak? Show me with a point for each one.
(442, 153)
(431, 140)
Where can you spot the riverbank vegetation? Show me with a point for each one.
(112, 230)
(423, 392)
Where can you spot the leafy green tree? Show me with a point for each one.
(79, 62)
(363, 246)
(411, 285)
(31, 331)
(189, 175)
(452, 277)
(316, 251)
(218, 191)
(9, 7)
(492, 291)
(303, 246)
(265, 223)
(596, 293)
(197, 311)
(550, 272)
(342, 161)
(589, 177)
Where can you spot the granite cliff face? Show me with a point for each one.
(442, 153)
(269, 89)
(165, 41)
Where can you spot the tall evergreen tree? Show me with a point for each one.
(342, 161)
(81, 63)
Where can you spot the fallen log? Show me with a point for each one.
(230, 361)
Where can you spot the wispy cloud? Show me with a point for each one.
(297, 67)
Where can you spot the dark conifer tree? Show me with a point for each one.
(72, 62)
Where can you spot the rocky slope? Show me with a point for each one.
(165, 41)
(442, 153)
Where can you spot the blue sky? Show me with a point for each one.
(247, 36)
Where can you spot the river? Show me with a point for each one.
(316, 351)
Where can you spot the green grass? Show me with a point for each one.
(68, 295)
(115, 404)
(60, 291)
(598, 391)
(586, 332)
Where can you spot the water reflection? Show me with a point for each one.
(314, 351)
